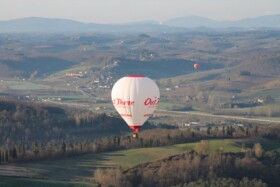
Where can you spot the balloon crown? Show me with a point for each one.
(135, 76)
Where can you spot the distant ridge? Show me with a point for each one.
(36, 24)
(272, 21)
(52, 25)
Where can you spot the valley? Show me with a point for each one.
(59, 126)
(239, 71)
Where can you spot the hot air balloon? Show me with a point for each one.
(196, 66)
(135, 98)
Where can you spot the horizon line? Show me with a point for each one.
(134, 22)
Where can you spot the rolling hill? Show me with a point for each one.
(157, 69)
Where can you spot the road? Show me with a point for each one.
(221, 116)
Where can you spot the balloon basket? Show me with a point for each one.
(135, 135)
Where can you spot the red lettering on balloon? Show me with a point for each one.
(126, 115)
(147, 115)
(151, 102)
(120, 102)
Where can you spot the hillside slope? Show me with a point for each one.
(33, 67)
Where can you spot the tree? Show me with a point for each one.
(111, 177)
(208, 130)
(247, 131)
(0, 156)
(14, 153)
(256, 131)
(202, 147)
(258, 150)
(6, 155)
(243, 147)
(63, 147)
(229, 130)
(3, 156)
(35, 149)
(224, 131)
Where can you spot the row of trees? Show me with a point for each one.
(148, 138)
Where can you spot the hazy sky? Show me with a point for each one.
(120, 11)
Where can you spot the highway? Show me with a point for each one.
(221, 116)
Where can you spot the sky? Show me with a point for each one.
(123, 11)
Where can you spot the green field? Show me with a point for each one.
(75, 69)
(132, 157)
(71, 97)
(81, 167)
(169, 106)
(24, 182)
(25, 85)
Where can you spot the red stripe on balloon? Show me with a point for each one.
(135, 128)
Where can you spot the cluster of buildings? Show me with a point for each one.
(80, 74)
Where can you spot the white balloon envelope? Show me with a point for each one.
(135, 98)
